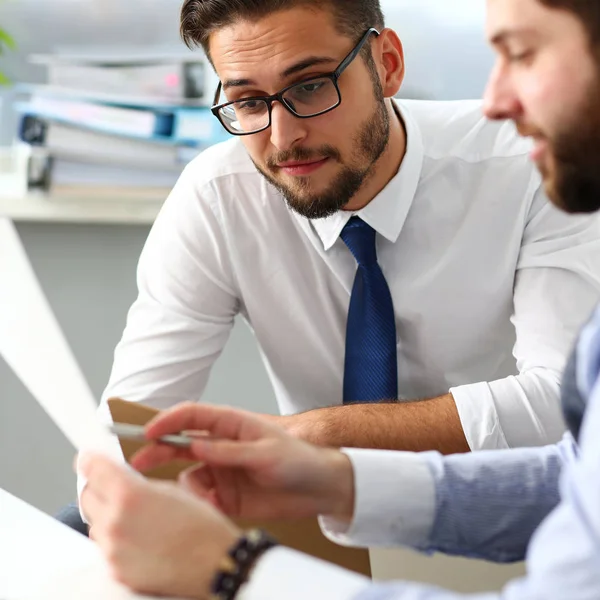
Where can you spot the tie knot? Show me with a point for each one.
(360, 239)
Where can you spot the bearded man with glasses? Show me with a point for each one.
(408, 283)
(310, 98)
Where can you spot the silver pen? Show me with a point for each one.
(136, 433)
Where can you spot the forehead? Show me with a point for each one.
(255, 47)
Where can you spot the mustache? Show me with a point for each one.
(526, 130)
(303, 154)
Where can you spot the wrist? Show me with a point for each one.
(210, 560)
(309, 427)
(238, 563)
(339, 499)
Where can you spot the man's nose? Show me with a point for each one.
(500, 99)
(287, 130)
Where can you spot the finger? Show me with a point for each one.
(231, 454)
(155, 455)
(92, 505)
(200, 483)
(222, 422)
(198, 480)
(104, 476)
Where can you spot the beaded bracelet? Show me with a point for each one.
(236, 568)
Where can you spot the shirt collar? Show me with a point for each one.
(387, 212)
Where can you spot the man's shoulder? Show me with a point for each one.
(227, 159)
(459, 129)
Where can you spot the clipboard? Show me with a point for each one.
(300, 534)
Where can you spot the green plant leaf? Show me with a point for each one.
(7, 40)
(4, 80)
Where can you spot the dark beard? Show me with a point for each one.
(577, 189)
(371, 141)
(576, 185)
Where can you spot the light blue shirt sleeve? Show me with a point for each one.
(483, 505)
(488, 504)
(563, 559)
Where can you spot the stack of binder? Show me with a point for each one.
(118, 127)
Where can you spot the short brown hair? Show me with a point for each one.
(201, 18)
(586, 10)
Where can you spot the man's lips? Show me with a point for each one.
(298, 168)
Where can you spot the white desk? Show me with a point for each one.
(41, 559)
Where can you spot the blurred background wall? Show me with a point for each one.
(444, 41)
(88, 271)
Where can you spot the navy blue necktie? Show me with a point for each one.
(371, 365)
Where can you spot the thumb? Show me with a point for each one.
(197, 479)
(200, 482)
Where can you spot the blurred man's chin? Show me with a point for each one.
(557, 189)
(548, 178)
(553, 195)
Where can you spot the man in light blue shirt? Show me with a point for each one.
(541, 505)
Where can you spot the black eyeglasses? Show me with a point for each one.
(309, 98)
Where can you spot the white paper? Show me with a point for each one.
(35, 547)
(42, 559)
(34, 346)
(89, 583)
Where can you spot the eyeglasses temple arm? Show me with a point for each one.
(355, 52)
(217, 95)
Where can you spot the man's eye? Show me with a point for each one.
(249, 105)
(520, 57)
(310, 88)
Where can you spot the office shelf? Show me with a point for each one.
(20, 205)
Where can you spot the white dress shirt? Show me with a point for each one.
(490, 283)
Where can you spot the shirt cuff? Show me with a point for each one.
(285, 573)
(394, 501)
(478, 416)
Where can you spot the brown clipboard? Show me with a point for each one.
(302, 534)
